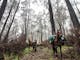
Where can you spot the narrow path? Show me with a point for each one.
(41, 54)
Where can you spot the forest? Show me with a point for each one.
(39, 29)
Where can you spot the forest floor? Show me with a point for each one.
(45, 53)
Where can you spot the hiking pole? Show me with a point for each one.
(61, 52)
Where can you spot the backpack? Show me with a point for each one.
(51, 38)
(61, 40)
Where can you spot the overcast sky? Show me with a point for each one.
(39, 8)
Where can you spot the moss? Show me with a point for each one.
(27, 50)
(51, 59)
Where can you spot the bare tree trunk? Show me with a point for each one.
(58, 16)
(28, 6)
(63, 30)
(2, 9)
(7, 34)
(72, 14)
(41, 30)
(27, 28)
(6, 19)
(45, 34)
(76, 30)
(51, 17)
(41, 34)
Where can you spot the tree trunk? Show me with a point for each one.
(6, 19)
(41, 33)
(2, 9)
(72, 14)
(7, 34)
(27, 28)
(51, 17)
(76, 30)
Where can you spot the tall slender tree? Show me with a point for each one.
(60, 16)
(26, 16)
(27, 22)
(7, 34)
(2, 9)
(6, 19)
(51, 17)
(72, 14)
(27, 28)
(76, 30)
(41, 28)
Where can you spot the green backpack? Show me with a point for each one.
(51, 38)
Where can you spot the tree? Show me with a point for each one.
(60, 16)
(26, 31)
(76, 30)
(7, 34)
(72, 14)
(41, 28)
(6, 19)
(26, 15)
(51, 17)
(2, 9)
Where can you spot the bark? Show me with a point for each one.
(27, 28)
(76, 28)
(51, 17)
(7, 34)
(63, 29)
(6, 19)
(2, 9)
(40, 30)
(72, 14)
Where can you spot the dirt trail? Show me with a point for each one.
(41, 54)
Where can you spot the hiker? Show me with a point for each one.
(56, 41)
(35, 46)
(53, 43)
(60, 41)
(60, 38)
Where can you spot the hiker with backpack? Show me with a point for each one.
(57, 40)
(60, 41)
(54, 46)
